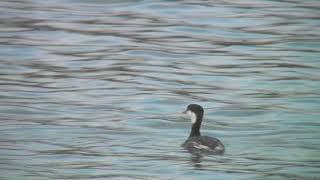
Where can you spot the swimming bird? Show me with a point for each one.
(196, 143)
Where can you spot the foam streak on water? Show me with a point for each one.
(94, 89)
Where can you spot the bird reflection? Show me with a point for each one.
(196, 160)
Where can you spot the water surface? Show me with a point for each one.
(94, 89)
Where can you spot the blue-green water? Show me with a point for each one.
(94, 89)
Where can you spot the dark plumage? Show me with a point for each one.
(196, 143)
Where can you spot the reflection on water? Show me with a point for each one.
(93, 89)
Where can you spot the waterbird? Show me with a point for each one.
(196, 143)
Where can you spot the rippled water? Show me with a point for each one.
(94, 89)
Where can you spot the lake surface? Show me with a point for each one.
(95, 89)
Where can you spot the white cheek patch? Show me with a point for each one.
(193, 116)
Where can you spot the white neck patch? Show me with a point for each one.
(193, 116)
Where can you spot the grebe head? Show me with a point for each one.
(195, 112)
